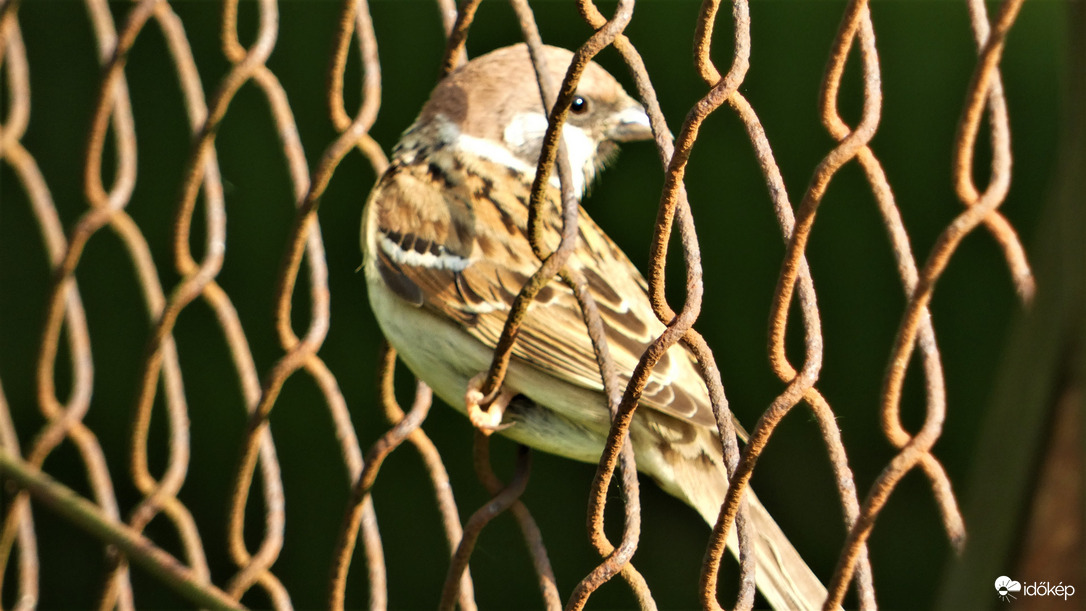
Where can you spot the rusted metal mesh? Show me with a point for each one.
(106, 210)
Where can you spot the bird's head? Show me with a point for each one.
(491, 107)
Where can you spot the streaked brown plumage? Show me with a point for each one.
(446, 252)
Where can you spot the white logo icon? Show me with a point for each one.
(1005, 585)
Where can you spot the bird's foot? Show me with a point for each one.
(488, 419)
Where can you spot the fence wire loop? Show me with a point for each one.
(112, 128)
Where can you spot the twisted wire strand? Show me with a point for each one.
(113, 123)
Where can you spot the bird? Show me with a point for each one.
(446, 251)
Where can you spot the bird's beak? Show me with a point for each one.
(629, 124)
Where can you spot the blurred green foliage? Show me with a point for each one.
(926, 58)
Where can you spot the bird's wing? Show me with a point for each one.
(455, 243)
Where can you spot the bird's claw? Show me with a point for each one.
(488, 419)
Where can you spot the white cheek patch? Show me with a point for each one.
(492, 151)
(525, 127)
(581, 151)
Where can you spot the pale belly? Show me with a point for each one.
(446, 357)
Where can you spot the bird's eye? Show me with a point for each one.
(579, 105)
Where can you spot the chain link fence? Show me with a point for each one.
(176, 294)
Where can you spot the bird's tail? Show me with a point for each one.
(782, 576)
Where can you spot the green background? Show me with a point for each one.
(926, 56)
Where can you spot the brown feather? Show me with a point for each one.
(489, 226)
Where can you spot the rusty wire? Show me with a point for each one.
(301, 353)
(66, 321)
(984, 88)
(360, 508)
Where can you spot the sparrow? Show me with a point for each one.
(445, 252)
